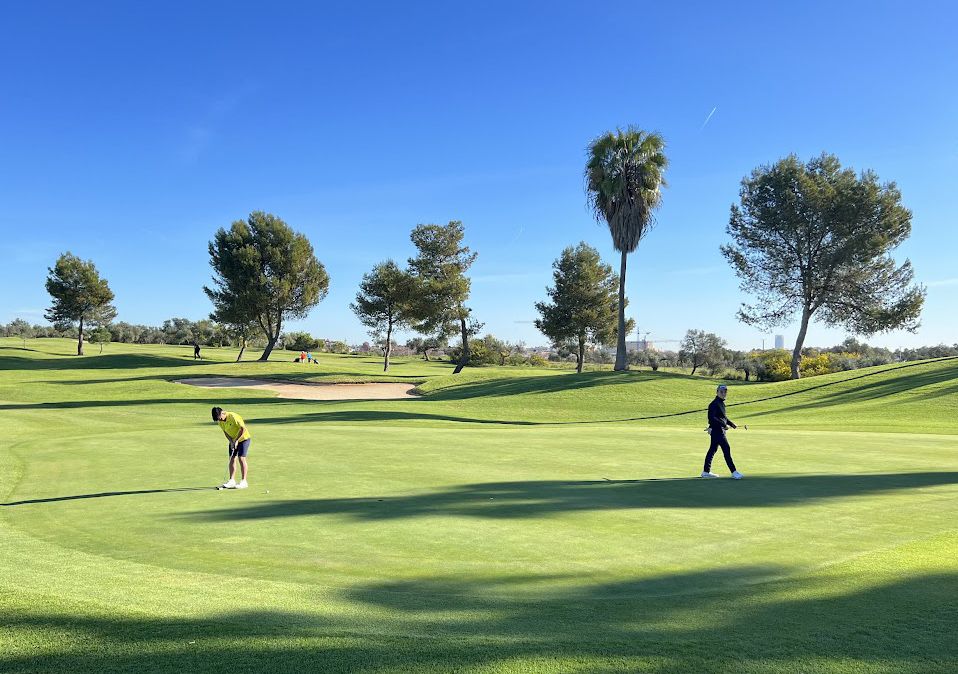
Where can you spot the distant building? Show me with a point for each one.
(779, 341)
(640, 345)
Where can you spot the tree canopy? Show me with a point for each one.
(80, 295)
(442, 287)
(624, 176)
(584, 301)
(813, 240)
(384, 303)
(265, 272)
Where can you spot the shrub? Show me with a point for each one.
(300, 341)
(813, 366)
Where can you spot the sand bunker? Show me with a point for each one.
(310, 391)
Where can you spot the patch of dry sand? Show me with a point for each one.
(310, 391)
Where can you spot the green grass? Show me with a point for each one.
(510, 520)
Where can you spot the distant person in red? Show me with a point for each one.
(302, 356)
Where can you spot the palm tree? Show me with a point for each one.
(624, 181)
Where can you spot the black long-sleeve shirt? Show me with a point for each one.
(717, 418)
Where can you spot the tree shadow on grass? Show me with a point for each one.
(225, 399)
(121, 361)
(456, 624)
(873, 390)
(102, 494)
(509, 500)
(365, 416)
(536, 384)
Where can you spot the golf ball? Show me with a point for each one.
(267, 491)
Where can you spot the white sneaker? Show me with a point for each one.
(737, 475)
(704, 474)
(242, 485)
(229, 484)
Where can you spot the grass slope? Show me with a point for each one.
(508, 521)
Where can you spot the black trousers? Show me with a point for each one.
(719, 440)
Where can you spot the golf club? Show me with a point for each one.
(228, 460)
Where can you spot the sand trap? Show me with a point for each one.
(310, 391)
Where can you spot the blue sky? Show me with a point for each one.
(129, 132)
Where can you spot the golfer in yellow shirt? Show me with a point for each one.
(235, 430)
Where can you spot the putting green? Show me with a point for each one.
(508, 521)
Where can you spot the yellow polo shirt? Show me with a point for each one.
(232, 425)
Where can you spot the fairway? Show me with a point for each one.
(505, 520)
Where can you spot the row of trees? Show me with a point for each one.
(807, 239)
(265, 274)
(428, 296)
(172, 331)
(812, 239)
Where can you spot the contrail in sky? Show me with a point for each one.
(709, 117)
(518, 234)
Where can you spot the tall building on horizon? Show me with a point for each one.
(779, 341)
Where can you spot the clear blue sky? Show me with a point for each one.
(129, 132)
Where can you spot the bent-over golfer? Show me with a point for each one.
(718, 423)
(235, 430)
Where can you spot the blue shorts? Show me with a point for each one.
(241, 449)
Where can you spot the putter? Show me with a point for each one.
(221, 487)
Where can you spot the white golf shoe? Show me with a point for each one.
(242, 485)
(229, 484)
(737, 475)
(705, 474)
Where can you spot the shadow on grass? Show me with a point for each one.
(102, 494)
(311, 379)
(363, 416)
(225, 399)
(456, 624)
(509, 386)
(877, 389)
(122, 361)
(507, 500)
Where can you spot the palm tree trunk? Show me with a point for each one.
(797, 351)
(621, 361)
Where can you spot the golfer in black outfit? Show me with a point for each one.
(718, 423)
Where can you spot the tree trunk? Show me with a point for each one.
(273, 338)
(269, 347)
(425, 355)
(464, 357)
(388, 349)
(621, 359)
(80, 338)
(581, 356)
(242, 349)
(797, 351)
(694, 367)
